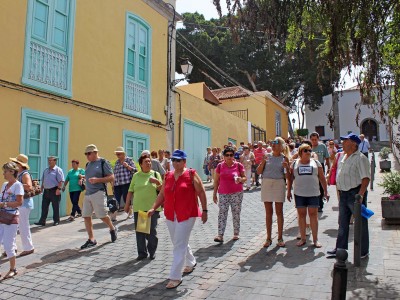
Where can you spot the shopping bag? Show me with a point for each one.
(143, 222)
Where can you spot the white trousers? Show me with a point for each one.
(247, 172)
(182, 253)
(25, 229)
(8, 235)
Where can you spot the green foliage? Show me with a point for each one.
(343, 35)
(384, 153)
(391, 183)
(302, 132)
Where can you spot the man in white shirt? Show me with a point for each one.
(353, 177)
(364, 145)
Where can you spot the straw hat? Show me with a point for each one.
(91, 148)
(119, 150)
(21, 159)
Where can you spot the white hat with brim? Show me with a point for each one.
(119, 150)
(21, 159)
(91, 148)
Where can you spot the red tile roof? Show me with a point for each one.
(231, 93)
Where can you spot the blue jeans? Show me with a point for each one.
(74, 196)
(346, 209)
(121, 191)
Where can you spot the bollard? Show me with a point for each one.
(357, 231)
(373, 164)
(339, 282)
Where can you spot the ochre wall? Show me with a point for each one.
(223, 125)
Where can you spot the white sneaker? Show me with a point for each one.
(308, 231)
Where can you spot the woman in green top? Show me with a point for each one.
(143, 188)
(75, 178)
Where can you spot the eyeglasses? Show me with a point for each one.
(176, 160)
(229, 155)
(88, 153)
(307, 150)
(275, 142)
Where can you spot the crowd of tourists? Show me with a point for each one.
(289, 170)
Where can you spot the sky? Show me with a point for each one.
(205, 7)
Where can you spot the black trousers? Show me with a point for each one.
(49, 196)
(74, 196)
(121, 191)
(321, 191)
(152, 239)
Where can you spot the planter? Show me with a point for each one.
(390, 211)
(385, 165)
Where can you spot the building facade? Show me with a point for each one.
(80, 72)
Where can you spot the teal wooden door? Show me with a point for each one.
(41, 138)
(196, 139)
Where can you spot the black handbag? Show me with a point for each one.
(112, 203)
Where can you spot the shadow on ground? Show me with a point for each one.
(156, 291)
(217, 250)
(294, 256)
(119, 271)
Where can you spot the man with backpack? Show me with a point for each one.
(98, 173)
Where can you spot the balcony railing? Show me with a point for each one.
(136, 98)
(243, 114)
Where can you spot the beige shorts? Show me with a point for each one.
(96, 203)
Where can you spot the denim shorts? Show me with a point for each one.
(306, 201)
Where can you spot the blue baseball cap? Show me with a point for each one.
(353, 137)
(179, 154)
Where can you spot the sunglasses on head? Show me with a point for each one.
(275, 142)
(307, 150)
(88, 153)
(229, 155)
(176, 160)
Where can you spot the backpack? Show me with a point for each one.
(35, 189)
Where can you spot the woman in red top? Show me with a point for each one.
(179, 195)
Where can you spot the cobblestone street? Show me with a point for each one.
(233, 270)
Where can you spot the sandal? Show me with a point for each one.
(317, 244)
(218, 239)
(25, 253)
(235, 237)
(301, 243)
(280, 243)
(173, 284)
(187, 270)
(11, 273)
(267, 243)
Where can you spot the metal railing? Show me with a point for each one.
(243, 114)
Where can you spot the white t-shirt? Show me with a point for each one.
(10, 195)
(306, 181)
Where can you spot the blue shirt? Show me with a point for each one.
(52, 177)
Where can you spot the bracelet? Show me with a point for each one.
(205, 210)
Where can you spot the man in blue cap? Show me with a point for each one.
(353, 177)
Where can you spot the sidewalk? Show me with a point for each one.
(234, 270)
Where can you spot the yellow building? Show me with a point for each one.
(74, 73)
(267, 115)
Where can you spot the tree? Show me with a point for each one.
(352, 33)
(251, 60)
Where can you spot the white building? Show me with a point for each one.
(345, 114)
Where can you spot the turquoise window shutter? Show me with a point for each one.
(137, 68)
(48, 46)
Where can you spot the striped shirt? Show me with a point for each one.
(351, 170)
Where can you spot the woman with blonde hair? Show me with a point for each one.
(274, 168)
(12, 194)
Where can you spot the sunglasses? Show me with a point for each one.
(229, 155)
(275, 142)
(88, 153)
(307, 150)
(176, 160)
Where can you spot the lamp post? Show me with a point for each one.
(186, 67)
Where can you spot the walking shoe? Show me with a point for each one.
(89, 244)
(320, 209)
(71, 218)
(331, 252)
(365, 255)
(40, 224)
(114, 234)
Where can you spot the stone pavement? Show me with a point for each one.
(233, 270)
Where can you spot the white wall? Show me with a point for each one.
(396, 138)
(320, 118)
(347, 116)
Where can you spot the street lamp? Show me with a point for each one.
(186, 67)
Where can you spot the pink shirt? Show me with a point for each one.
(259, 154)
(227, 174)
